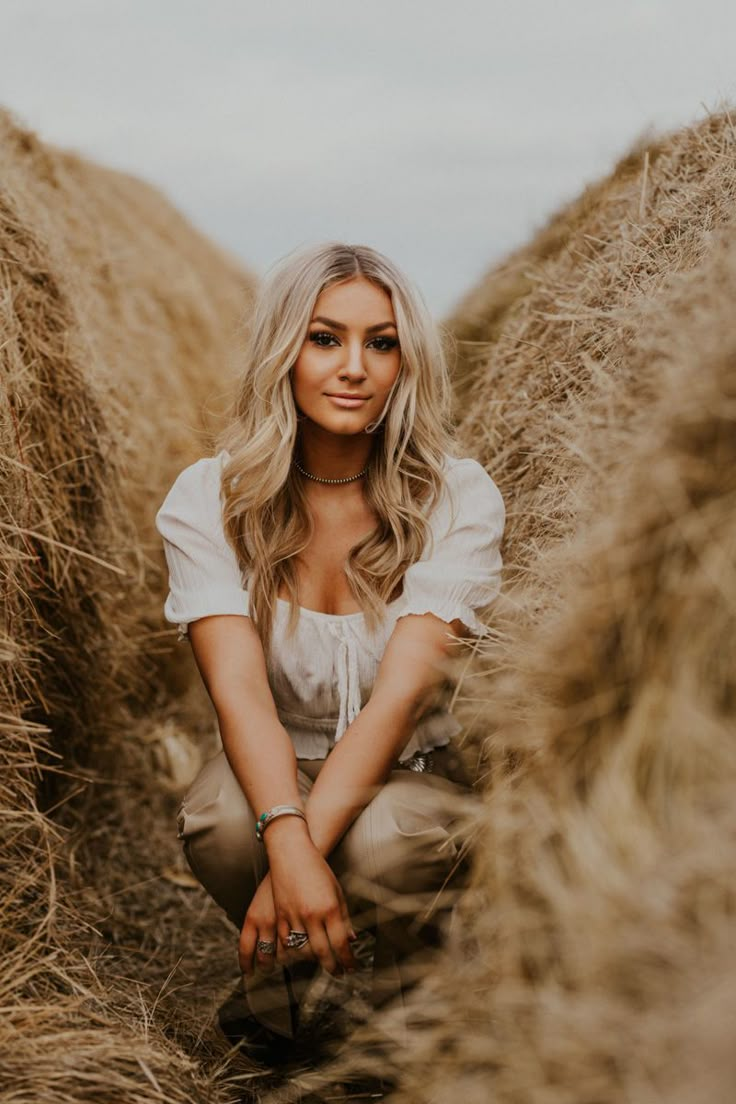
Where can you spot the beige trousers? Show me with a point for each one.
(398, 866)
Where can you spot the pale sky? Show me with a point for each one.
(442, 134)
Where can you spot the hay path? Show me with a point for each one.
(160, 941)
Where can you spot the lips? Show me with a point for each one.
(348, 402)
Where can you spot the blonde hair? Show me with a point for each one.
(265, 512)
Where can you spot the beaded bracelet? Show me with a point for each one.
(278, 810)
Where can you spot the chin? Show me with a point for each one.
(346, 426)
(346, 430)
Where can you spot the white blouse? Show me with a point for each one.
(321, 677)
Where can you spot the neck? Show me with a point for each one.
(331, 455)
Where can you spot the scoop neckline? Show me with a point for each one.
(321, 616)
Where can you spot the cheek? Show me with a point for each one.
(306, 375)
(388, 374)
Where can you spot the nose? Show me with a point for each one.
(353, 367)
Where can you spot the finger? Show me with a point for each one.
(344, 913)
(292, 955)
(301, 954)
(246, 948)
(266, 959)
(339, 936)
(282, 933)
(321, 948)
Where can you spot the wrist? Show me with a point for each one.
(276, 812)
(285, 830)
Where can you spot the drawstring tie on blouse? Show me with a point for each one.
(348, 679)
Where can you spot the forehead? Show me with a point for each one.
(357, 297)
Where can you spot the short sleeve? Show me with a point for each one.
(460, 569)
(204, 575)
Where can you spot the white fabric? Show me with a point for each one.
(322, 676)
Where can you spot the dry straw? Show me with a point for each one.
(116, 323)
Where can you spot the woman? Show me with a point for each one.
(323, 564)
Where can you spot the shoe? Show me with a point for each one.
(257, 1042)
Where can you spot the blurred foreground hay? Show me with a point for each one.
(599, 942)
(117, 319)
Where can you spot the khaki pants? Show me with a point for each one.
(397, 865)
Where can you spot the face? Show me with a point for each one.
(351, 349)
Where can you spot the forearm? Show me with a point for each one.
(356, 769)
(261, 755)
(414, 667)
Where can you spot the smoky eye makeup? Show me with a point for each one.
(381, 342)
(317, 335)
(388, 342)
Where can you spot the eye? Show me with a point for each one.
(389, 343)
(317, 336)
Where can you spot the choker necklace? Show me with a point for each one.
(320, 479)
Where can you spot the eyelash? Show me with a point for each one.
(391, 342)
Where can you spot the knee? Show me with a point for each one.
(217, 830)
(402, 844)
(415, 850)
(214, 807)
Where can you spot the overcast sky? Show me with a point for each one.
(442, 133)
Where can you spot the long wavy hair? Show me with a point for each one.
(266, 517)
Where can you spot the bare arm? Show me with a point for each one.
(413, 667)
(300, 891)
(301, 886)
(229, 655)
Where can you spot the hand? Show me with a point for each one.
(307, 897)
(259, 924)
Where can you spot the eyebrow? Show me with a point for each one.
(341, 326)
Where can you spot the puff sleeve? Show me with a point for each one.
(460, 568)
(204, 575)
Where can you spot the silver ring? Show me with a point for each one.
(265, 946)
(295, 939)
(420, 762)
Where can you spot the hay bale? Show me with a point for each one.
(563, 356)
(597, 951)
(117, 320)
(481, 314)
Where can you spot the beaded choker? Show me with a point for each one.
(321, 479)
